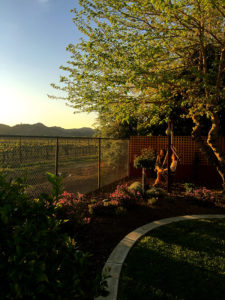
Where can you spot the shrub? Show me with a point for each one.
(155, 192)
(106, 208)
(57, 184)
(38, 260)
(120, 211)
(103, 208)
(125, 196)
(153, 200)
(202, 193)
(72, 207)
(189, 187)
(136, 186)
(146, 159)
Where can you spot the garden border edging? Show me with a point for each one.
(113, 265)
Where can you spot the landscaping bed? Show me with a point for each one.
(103, 232)
(46, 239)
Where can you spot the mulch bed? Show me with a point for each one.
(103, 233)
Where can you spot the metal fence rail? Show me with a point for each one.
(85, 164)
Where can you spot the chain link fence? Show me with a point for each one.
(85, 164)
(114, 160)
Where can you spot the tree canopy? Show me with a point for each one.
(146, 58)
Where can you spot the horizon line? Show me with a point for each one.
(45, 125)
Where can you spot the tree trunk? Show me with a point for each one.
(211, 148)
(169, 158)
(143, 181)
(213, 142)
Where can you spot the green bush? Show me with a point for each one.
(38, 260)
(126, 197)
(136, 186)
(189, 187)
(155, 192)
(107, 208)
(73, 208)
(120, 211)
(202, 194)
(102, 209)
(153, 200)
(146, 159)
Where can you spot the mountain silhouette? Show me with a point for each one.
(40, 129)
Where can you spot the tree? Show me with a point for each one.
(107, 126)
(135, 58)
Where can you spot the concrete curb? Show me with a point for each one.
(116, 259)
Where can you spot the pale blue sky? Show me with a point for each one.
(33, 38)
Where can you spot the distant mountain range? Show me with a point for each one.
(40, 129)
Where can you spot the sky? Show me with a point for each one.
(33, 39)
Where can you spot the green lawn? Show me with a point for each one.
(183, 260)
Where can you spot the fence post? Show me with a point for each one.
(169, 157)
(56, 156)
(20, 151)
(99, 163)
(128, 164)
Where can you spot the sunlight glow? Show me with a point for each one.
(19, 106)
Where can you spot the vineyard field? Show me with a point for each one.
(76, 160)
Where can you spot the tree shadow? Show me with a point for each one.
(208, 235)
(149, 274)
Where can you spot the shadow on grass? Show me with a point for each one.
(208, 235)
(163, 267)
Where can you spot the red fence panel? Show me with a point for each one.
(194, 166)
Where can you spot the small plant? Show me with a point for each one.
(72, 207)
(155, 192)
(56, 182)
(103, 208)
(106, 208)
(189, 187)
(93, 200)
(125, 196)
(136, 186)
(203, 194)
(153, 200)
(120, 211)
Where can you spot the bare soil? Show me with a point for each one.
(79, 177)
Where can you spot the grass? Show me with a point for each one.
(183, 260)
(37, 169)
(40, 163)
